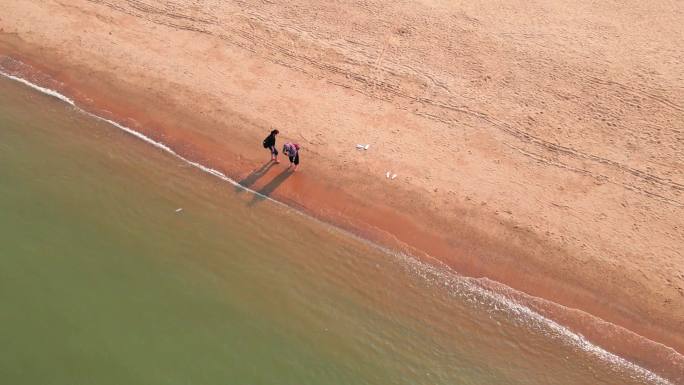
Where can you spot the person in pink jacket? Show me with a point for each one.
(292, 152)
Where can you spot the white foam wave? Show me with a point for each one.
(138, 135)
(458, 284)
(466, 289)
(44, 90)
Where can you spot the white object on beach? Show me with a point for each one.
(394, 176)
(388, 174)
(363, 146)
(179, 209)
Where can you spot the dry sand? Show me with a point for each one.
(538, 144)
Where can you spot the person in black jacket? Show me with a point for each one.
(270, 143)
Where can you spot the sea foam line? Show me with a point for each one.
(139, 135)
(471, 292)
(460, 285)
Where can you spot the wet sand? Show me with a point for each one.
(573, 197)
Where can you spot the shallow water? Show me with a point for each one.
(102, 281)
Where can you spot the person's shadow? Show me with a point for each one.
(254, 176)
(265, 192)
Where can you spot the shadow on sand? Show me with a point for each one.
(254, 176)
(270, 187)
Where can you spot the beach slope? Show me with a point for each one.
(536, 144)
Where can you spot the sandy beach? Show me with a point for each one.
(536, 145)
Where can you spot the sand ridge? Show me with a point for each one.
(541, 140)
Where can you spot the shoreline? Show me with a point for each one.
(487, 191)
(655, 358)
(385, 294)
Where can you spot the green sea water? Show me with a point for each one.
(103, 281)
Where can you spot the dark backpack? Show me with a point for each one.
(269, 141)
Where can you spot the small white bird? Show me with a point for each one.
(394, 176)
(179, 209)
(388, 174)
